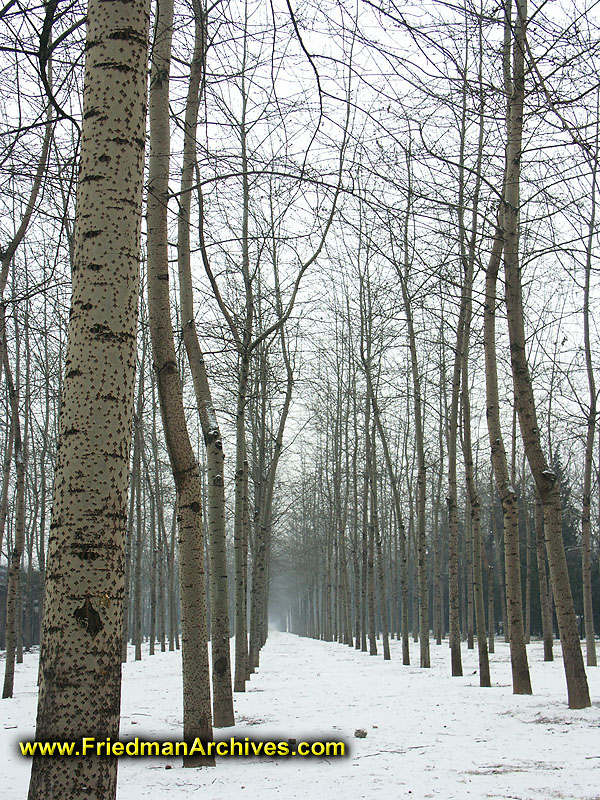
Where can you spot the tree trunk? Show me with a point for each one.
(84, 578)
(468, 567)
(245, 543)
(475, 506)
(422, 472)
(8, 454)
(13, 588)
(137, 569)
(163, 545)
(380, 569)
(137, 469)
(196, 674)
(130, 523)
(453, 541)
(545, 597)
(153, 563)
(364, 588)
(370, 522)
(223, 715)
(239, 549)
(508, 497)
(173, 623)
(545, 478)
(527, 521)
(586, 546)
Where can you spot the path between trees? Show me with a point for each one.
(428, 735)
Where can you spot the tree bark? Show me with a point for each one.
(422, 472)
(545, 597)
(475, 519)
(137, 508)
(196, 674)
(508, 497)
(223, 715)
(370, 539)
(375, 525)
(80, 664)
(586, 547)
(13, 588)
(453, 540)
(545, 478)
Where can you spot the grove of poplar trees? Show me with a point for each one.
(296, 331)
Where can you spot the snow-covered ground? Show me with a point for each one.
(428, 735)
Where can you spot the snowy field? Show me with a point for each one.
(428, 735)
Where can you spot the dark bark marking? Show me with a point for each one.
(220, 665)
(88, 617)
(128, 35)
(115, 65)
(104, 333)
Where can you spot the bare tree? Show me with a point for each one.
(545, 478)
(223, 715)
(197, 721)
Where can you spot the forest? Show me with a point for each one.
(297, 350)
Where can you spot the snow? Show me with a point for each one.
(428, 735)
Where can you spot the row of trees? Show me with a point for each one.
(369, 277)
